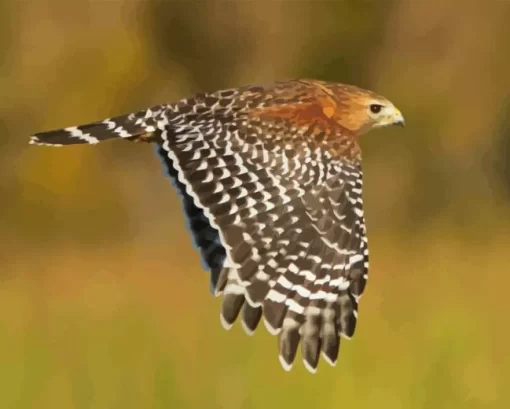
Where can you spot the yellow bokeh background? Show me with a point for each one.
(103, 301)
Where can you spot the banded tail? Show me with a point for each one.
(140, 126)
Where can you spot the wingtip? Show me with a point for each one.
(345, 336)
(328, 360)
(246, 329)
(270, 329)
(226, 325)
(285, 365)
(309, 367)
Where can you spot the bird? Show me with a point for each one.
(270, 181)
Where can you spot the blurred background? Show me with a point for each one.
(103, 301)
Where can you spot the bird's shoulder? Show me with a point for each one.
(299, 111)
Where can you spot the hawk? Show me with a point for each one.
(270, 180)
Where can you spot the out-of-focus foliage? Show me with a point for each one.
(103, 303)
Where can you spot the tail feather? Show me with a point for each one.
(138, 127)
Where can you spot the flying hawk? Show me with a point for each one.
(270, 180)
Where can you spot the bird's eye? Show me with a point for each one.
(375, 108)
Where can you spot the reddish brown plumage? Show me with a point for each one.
(271, 184)
(337, 113)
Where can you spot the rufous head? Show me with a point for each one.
(360, 110)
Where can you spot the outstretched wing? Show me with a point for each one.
(282, 214)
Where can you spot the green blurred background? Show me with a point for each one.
(103, 302)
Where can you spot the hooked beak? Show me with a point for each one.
(398, 119)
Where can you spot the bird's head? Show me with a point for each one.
(360, 110)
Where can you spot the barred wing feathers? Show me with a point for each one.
(285, 223)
